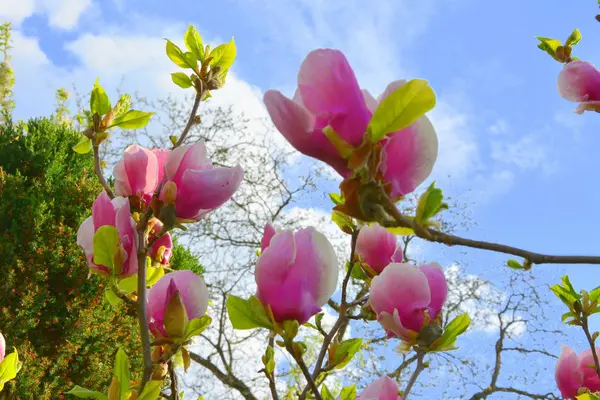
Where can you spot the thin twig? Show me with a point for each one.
(586, 329)
(433, 235)
(413, 378)
(309, 379)
(142, 253)
(271, 375)
(99, 174)
(174, 383)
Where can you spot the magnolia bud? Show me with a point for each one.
(430, 334)
(214, 84)
(169, 192)
(159, 371)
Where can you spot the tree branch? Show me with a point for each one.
(174, 384)
(99, 174)
(586, 330)
(228, 379)
(413, 378)
(433, 235)
(309, 379)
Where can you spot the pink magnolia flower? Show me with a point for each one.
(192, 290)
(201, 187)
(137, 173)
(2, 347)
(328, 94)
(377, 247)
(579, 81)
(296, 273)
(403, 292)
(384, 388)
(113, 213)
(575, 371)
(164, 241)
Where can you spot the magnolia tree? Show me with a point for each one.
(383, 148)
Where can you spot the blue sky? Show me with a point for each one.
(509, 143)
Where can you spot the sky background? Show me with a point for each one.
(509, 145)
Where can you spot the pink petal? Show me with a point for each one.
(438, 287)
(375, 245)
(162, 156)
(274, 261)
(268, 234)
(2, 347)
(403, 287)
(590, 377)
(370, 101)
(330, 91)
(398, 256)
(192, 289)
(568, 378)
(579, 81)
(588, 106)
(324, 258)
(291, 119)
(391, 88)
(384, 388)
(122, 186)
(85, 236)
(394, 327)
(103, 211)
(206, 190)
(408, 156)
(142, 169)
(184, 158)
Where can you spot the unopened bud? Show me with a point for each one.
(430, 334)
(168, 216)
(113, 389)
(157, 353)
(159, 371)
(216, 69)
(214, 83)
(169, 192)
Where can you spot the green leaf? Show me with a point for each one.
(176, 55)
(348, 393)
(344, 351)
(548, 45)
(193, 42)
(344, 222)
(122, 105)
(594, 295)
(176, 318)
(223, 56)
(326, 394)
(573, 38)
(106, 244)
(84, 146)
(399, 230)
(430, 203)
(514, 264)
(401, 108)
(151, 391)
(268, 360)
(9, 367)
(112, 297)
(99, 102)
(153, 275)
(247, 314)
(196, 326)
(82, 393)
(357, 272)
(456, 327)
(290, 329)
(319, 319)
(181, 80)
(121, 371)
(336, 198)
(132, 119)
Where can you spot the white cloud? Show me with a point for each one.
(499, 127)
(63, 14)
(526, 153)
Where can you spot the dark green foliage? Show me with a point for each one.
(183, 258)
(49, 308)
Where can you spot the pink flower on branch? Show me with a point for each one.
(384, 388)
(192, 293)
(579, 81)
(575, 371)
(296, 273)
(2, 347)
(115, 213)
(137, 173)
(377, 247)
(405, 297)
(328, 95)
(194, 185)
(161, 249)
